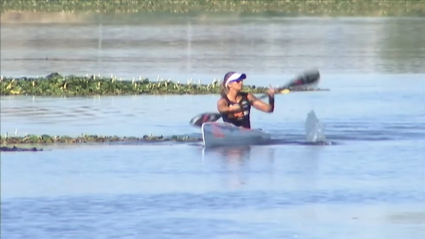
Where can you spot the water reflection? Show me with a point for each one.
(186, 47)
(237, 165)
(407, 217)
(230, 155)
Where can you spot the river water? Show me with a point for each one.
(368, 183)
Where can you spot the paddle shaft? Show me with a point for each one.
(276, 90)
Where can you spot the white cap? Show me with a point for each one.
(235, 77)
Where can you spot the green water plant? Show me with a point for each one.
(18, 149)
(84, 138)
(58, 85)
(305, 7)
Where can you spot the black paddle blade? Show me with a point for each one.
(205, 117)
(306, 78)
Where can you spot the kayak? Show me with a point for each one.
(217, 134)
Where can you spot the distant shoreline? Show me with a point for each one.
(375, 8)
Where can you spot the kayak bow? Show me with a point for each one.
(216, 134)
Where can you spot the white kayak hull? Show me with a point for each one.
(216, 134)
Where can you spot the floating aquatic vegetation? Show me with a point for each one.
(305, 7)
(18, 149)
(49, 139)
(58, 85)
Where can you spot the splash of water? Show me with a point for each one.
(314, 130)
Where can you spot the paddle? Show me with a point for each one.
(305, 78)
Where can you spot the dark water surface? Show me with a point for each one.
(369, 184)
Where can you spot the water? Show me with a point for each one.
(204, 47)
(369, 183)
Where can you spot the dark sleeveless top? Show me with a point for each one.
(240, 118)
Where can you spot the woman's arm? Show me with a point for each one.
(223, 107)
(261, 105)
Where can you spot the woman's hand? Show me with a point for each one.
(271, 91)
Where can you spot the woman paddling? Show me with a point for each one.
(235, 105)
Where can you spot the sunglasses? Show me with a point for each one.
(237, 81)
